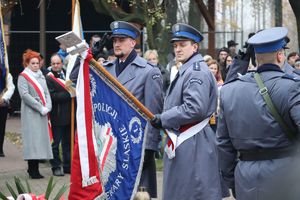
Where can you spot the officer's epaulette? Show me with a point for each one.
(109, 63)
(232, 80)
(197, 66)
(237, 77)
(291, 77)
(296, 71)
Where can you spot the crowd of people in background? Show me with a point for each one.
(45, 98)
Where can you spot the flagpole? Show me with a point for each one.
(119, 86)
(73, 98)
(73, 11)
(4, 45)
(128, 94)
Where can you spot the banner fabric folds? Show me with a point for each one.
(108, 154)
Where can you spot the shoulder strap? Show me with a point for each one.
(263, 90)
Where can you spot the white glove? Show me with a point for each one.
(44, 111)
(72, 93)
(84, 54)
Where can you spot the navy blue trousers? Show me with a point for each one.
(61, 134)
(3, 117)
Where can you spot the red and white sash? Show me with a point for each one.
(36, 85)
(61, 82)
(40, 91)
(174, 141)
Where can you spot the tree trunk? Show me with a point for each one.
(295, 4)
(164, 47)
(195, 16)
(278, 12)
(208, 12)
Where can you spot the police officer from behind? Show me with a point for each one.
(247, 127)
(190, 101)
(144, 81)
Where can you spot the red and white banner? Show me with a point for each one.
(85, 178)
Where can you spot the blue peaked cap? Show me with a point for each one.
(269, 40)
(124, 29)
(181, 31)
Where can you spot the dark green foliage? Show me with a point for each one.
(21, 189)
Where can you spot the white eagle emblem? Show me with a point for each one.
(106, 154)
(116, 25)
(135, 128)
(93, 85)
(176, 27)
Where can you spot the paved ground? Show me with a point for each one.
(14, 165)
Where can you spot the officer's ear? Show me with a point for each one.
(280, 57)
(195, 46)
(133, 42)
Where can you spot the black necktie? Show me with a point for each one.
(61, 76)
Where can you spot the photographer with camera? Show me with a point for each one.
(241, 62)
(97, 45)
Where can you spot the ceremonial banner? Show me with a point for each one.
(3, 57)
(110, 131)
(85, 176)
(77, 29)
(119, 133)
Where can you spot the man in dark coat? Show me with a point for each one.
(60, 116)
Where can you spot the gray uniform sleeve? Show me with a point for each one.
(294, 102)
(238, 66)
(28, 99)
(154, 102)
(226, 152)
(195, 95)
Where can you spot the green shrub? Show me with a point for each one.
(21, 189)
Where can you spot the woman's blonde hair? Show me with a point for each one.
(150, 51)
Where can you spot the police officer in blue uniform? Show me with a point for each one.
(248, 129)
(190, 101)
(144, 81)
